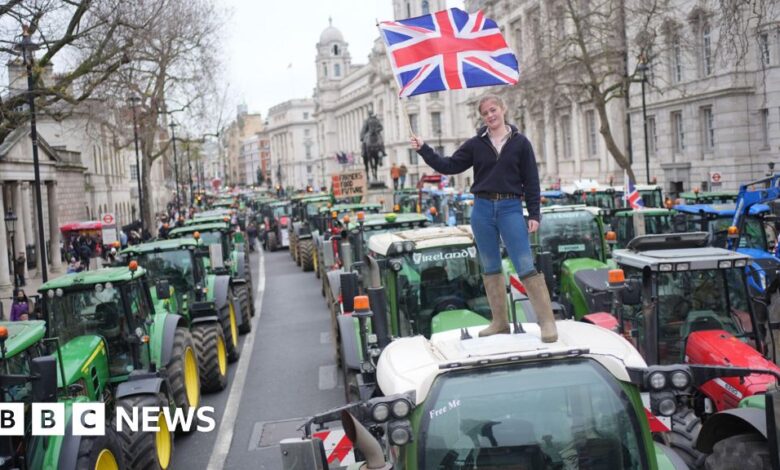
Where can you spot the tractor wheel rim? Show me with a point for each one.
(106, 461)
(191, 382)
(314, 260)
(233, 326)
(221, 355)
(162, 440)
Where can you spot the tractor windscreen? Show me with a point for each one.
(752, 236)
(174, 266)
(571, 414)
(603, 199)
(689, 301)
(280, 211)
(654, 224)
(437, 279)
(570, 234)
(652, 197)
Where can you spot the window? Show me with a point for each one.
(413, 122)
(679, 132)
(517, 33)
(324, 69)
(335, 49)
(708, 129)
(590, 122)
(413, 180)
(440, 150)
(308, 150)
(652, 136)
(336, 70)
(436, 123)
(306, 132)
(408, 10)
(566, 135)
(676, 60)
(425, 7)
(306, 116)
(763, 46)
(133, 171)
(434, 95)
(706, 50)
(412, 157)
(542, 144)
(308, 168)
(765, 128)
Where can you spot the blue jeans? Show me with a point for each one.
(493, 219)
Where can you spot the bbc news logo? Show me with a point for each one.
(89, 419)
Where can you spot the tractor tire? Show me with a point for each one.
(685, 430)
(322, 285)
(293, 248)
(147, 450)
(334, 326)
(212, 356)
(740, 451)
(298, 253)
(306, 248)
(246, 310)
(183, 372)
(102, 452)
(272, 242)
(230, 328)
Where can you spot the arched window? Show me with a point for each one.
(425, 7)
(335, 49)
(324, 69)
(336, 70)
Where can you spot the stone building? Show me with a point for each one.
(292, 137)
(245, 125)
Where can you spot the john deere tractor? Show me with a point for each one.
(199, 296)
(305, 210)
(28, 374)
(457, 401)
(229, 259)
(114, 348)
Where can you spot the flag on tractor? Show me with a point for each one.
(631, 194)
(448, 50)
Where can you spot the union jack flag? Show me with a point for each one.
(448, 50)
(632, 195)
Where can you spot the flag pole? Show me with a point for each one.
(397, 83)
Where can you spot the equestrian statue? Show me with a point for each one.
(373, 146)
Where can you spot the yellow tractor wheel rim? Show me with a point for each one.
(233, 326)
(162, 441)
(106, 461)
(221, 355)
(191, 382)
(314, 261)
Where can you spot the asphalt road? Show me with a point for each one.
(287, 373)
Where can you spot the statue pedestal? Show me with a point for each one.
(376, 185)
(379, 193)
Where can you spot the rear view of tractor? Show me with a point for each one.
(275, 220)
(304, 210)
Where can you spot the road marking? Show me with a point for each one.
(325, 337)
(328, 377)
(225, 433)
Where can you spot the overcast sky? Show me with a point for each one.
(265, 37)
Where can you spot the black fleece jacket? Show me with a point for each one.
(512, 171)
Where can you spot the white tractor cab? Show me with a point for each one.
(458, 401)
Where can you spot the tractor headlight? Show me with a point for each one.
(409, 246)
(98, 288)
(398, 247)
(109, 286)
(665, 267)
(724, 264)
(399, 433)
(657, 380)
(50, 293)
(395, 265)
(667, 406)
(681, 380)
(60, 292)
(401, 408)
(740, 263)
(380, 412)
(683, 266)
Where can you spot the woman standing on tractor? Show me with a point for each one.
(504, 173)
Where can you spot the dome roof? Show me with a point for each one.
(331, 33)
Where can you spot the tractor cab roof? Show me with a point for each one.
(677, 252)
(392, 218)
(414, 363)
(208, 219)
(647, 211)
(595, 211)
(211, 213)
(204, 227)
(22, 335)
(709, 195)
(160, 245)
(719, 210)
(422, 238)
(97, 276)
(351, 207)
(308, 197)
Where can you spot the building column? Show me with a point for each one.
(54, 227)
(5, 276)
(29, 228)
(20, 235)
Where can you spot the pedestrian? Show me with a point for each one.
(20, 309)
(402, 175)
(505, 173)
(251, 232)
(19, 264)
(85, 253)
(395, 173)
(74, 266)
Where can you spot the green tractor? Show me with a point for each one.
(305, 209)
(114, 348)
(458, 401)
(28, 375)
(654, 221)
(198, 296)
(227, 257)
(330, 221)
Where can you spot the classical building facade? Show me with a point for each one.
(712, 117)
(246, 125)
(293, 149)
(347, 92)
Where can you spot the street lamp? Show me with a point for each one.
(10, 224)
(642, 68)
(134, 102)
(189, 170)
(175, 164)
(27, 47)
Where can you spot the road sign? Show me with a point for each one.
(349, 184)
(108, 219)
(109, 228)
(715, 177)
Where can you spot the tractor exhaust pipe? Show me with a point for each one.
(364, 442)
(378, 301)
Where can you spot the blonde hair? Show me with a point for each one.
(490, 97)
